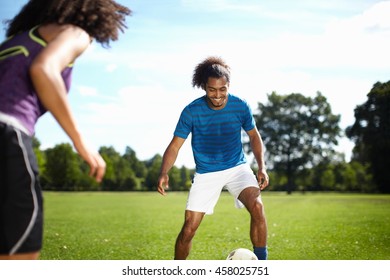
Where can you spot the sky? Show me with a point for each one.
(132, 93)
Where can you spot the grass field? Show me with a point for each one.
(144, 226)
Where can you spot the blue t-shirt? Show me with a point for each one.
(216, 134)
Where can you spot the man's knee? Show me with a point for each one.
(257, 207)
(250, 197)
(191, 224)
(189, 230)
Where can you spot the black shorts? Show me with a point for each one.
(21, 213)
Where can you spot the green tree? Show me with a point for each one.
(153, 166)
(174, 179)
(327, 179)
(38, 154)
(345, 177)
(185, 178)
(111, 157)
(126, 180)
(119, 175)
(298, 132)
(371, 134)
(363, 177)
(62, 170)
(304, 179)
(41, 160)
(277, 181)
(138, 167)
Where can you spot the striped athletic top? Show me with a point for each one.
(19, 103)
(216, 134)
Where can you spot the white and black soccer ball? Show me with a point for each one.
(241, 254)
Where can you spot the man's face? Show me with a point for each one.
(217, 92)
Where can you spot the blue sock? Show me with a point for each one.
(261, 252)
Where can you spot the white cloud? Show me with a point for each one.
(111, 67)
(87, 91)
(142, 117)
(374, 19)
(361, 41)
(210, 5)
(132, 104)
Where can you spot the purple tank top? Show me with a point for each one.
(18, 98)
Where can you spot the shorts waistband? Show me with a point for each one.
(12, 121)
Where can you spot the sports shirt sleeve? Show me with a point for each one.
(184, 125)
(248, 122)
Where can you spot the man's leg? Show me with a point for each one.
(258, 227)
(184, 239)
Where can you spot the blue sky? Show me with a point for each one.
(132, 94)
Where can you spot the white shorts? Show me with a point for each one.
(206, 188)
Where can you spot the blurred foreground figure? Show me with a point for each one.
(44, 40)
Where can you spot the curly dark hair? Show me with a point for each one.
(101, 19)
(212, 66)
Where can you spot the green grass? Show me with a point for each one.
(144, 226)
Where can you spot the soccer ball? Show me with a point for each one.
(241, 254)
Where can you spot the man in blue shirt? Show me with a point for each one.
(216, 121)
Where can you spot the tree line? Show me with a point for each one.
(299, 133)
(61, 169)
